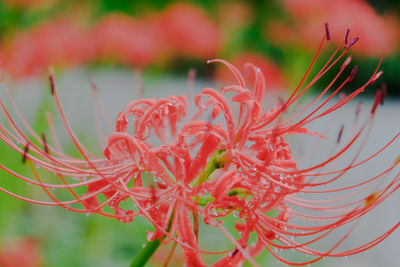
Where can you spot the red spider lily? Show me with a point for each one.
(182, 30)
(234, 15)
(189, 32)
(127, 40)
(231, 157)
(23, 252)
(58, 41)
(28, 3)
(375, 31)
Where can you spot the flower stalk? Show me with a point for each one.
(216, 162)
(145, 253)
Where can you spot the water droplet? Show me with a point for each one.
(236, 213)
(144, 245)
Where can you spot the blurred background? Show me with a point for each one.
(115, 42)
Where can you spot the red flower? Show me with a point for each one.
(128, 40)
(59, 41)
(189, 31)
(28, 3)
(23, 252)
(231, 157)
(375, 32)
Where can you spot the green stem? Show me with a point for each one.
(145, 254)
(214, 163)
(150, 247)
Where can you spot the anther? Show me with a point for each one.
(353, 73)
(328, 35)
(51, 80)
(234, 252)
(351, 43)
(26, 150)
(377, 100)
(346, 36)
(347, 61)
(340, 134)
(384, 93)
(371, 199)
(376, 77)
(46, 148)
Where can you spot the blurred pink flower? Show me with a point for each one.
(376, 32)
(182, 30)
(23, 252)
(28, 3)
(231, 156)
(234, 14)
(60, 42)
(189, 32)
(137, 42)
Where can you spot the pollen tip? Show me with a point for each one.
(26, 150)
(351, 43)
(384, 92)
(327, 33)
(371, 199)
(353, 73)
(51, 80)
(376, 77)
(340, 134)
(397, 161)
(46, 148)
(347, 61)
(377, 101)
(346, 37)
